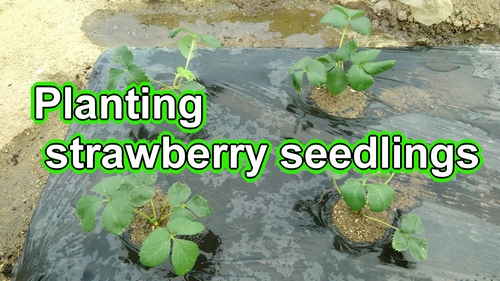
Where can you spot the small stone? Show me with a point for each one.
(381, 6)
(457, 23)
(481, 26)
(14, 208)
(402, 16)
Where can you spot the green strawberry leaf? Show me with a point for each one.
(336, 80)
(316, 73)
(297, 81)
(192, 86)
(300, 64)
(175, 32)
(186, 73)
(362, 25)
(373, 68)
(108, 185)
(210, 40)
(184, 255)
(354, 194)
(347, 50)
(178, 193)
(115, 75)
(199, 206)
(412, 224)
(364, 56)
(118, 213)
(358, 79)
(179, 212)
(184, 226)
(400, 241)
(156, 248)
(185, 45)
(329, 60)
(86, 210)
(123, 56)
(379, 196)
(418, 248)
(335, 18)
(135, 75)
(349, 12)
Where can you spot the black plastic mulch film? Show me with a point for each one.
(279, 227)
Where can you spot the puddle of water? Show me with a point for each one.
(268, 28)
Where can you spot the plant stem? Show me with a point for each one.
(187, 61)
(336, 186)
(158, 82)
(164, 206)
(153, 207)
(164, 218)
(143, 215)
(383, 222)
(343, 34)
(389, 179)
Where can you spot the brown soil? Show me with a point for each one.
(348, 104)
(63, 52)
(140, 228)
(355, 226)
